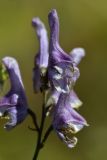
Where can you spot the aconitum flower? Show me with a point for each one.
(62, 73)
(14, 103)
(66, 121)
(41, 59)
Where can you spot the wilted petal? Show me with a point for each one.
(77, 54)
(66, 120)
(14, 103)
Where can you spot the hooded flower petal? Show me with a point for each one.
(66, 121)
(56, 52)
(14, 103)
(62, 74)
(41, 59)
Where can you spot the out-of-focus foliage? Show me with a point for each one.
(83, 23)
(3, 76)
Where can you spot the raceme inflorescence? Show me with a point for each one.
(54, 75)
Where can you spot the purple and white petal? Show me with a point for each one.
(70, 142)
(63, 77)
(77, 54)
(62, 72)
(73, 100)
(66, 120)
(52, 97)
(6, 102)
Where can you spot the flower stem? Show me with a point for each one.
(33, 115)
(49, 130)
(39, 129)
(39, 144)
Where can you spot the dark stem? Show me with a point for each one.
(33, 115)
(39, 144)
(40, 141)
(49, 130)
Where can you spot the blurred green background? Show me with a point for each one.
(83, 23)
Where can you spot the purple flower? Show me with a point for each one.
(14, 103)
(66, 121)
(41, 59)
(72, 98)
(58, 70)
(62, 68)
(62, 71)
(52, 97)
